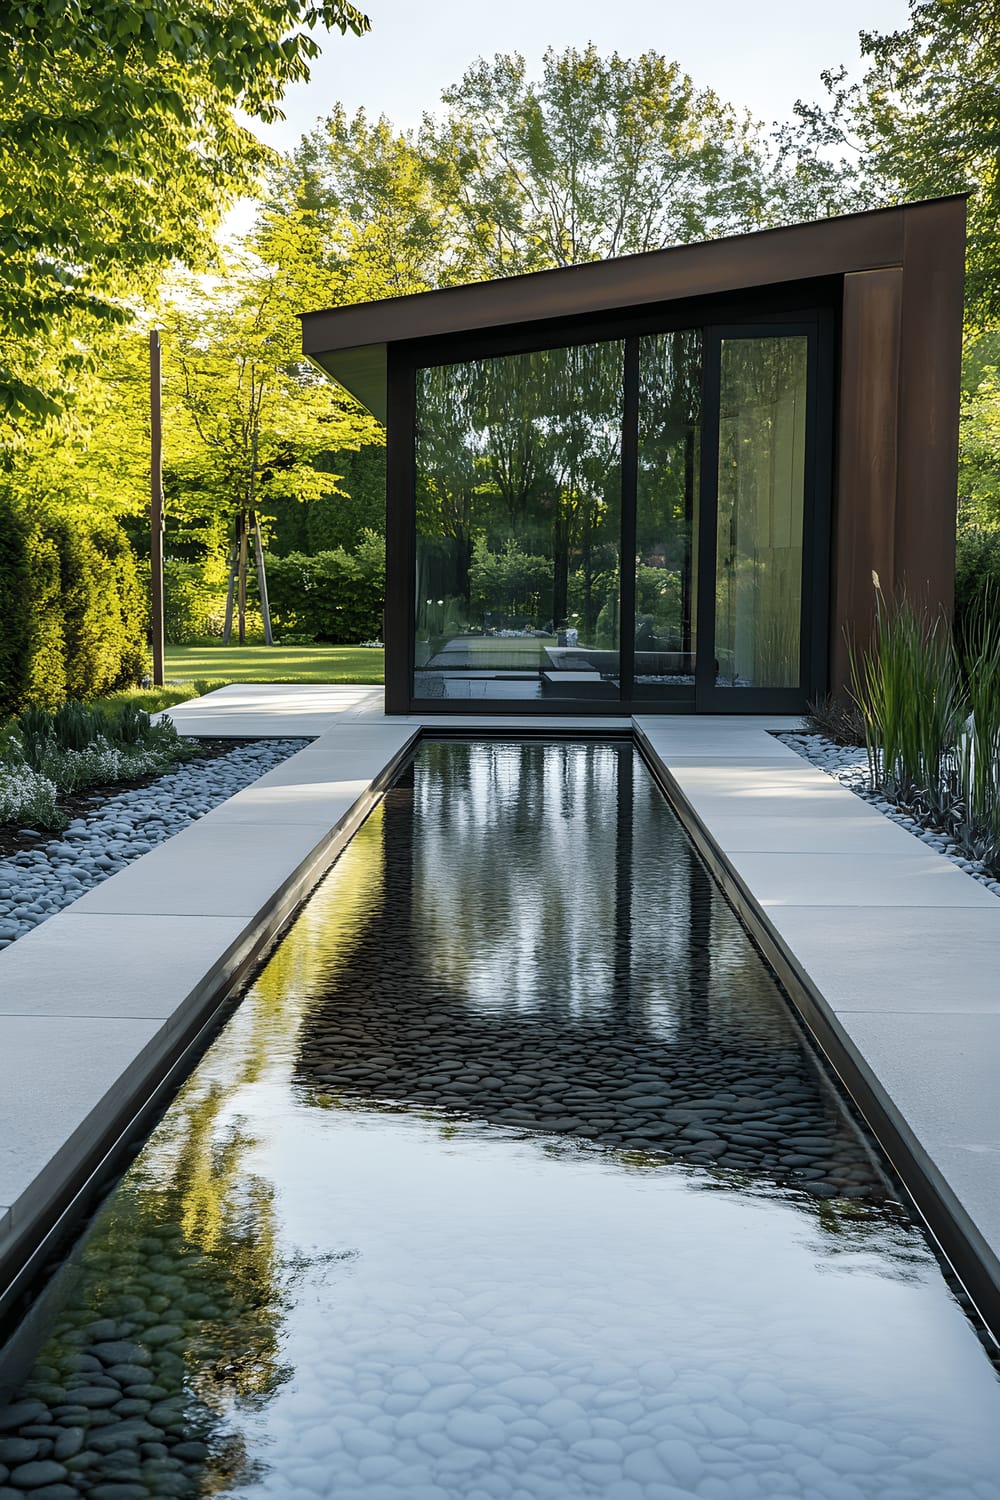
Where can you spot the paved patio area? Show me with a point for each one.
(895, 947)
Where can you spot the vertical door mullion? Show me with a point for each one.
(708, 519)
(629, 501)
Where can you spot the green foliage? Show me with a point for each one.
(332, 596)
(73, 612)
(513, 587)
(923, 121)
(932, 724)
(979, 433)
(119, 152)
(194, 600)
(75, 748)
(977, 581)
(600, 156)
(340, 518)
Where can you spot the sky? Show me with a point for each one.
(761, 57)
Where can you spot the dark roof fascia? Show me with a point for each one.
(350, 342)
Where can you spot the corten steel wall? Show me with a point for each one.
(897, 474)
(896, 461)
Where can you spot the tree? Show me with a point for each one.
(254, 415)
(361, 202)
(119, 152)
(600, 157)
(923, 121)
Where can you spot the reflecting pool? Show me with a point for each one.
(512, 1176)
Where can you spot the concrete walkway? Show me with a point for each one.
(889, 949)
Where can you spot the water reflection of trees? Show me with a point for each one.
(542, 934)
(189, 1242)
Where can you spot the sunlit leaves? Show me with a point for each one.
(119, 152)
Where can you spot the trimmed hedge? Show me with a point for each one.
(72, 609)
(337, 597)
(977, 581)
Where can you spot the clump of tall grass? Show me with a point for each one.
(932, 722)
(908, 688)
(977, 753)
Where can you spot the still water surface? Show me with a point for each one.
(511, 1177)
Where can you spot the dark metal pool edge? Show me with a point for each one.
(954, 1233)
(26, 1259)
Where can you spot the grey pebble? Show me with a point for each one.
(31, 1476)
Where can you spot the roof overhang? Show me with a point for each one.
(351, 342)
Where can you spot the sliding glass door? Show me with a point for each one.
(760, 604)
(639, 520)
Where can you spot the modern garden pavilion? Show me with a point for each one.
(662, 483)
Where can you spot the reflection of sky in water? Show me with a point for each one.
(559, 1325)
(470, 1294)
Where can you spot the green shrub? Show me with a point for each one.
(977, 582)
(75, 748)
(71, 605)
(908, 688)
(335, 597)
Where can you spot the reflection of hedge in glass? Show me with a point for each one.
(512, 587)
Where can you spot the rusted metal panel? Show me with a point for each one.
(865, 504)
(929, 396)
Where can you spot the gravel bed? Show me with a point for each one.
(37, 883)
(848, 764)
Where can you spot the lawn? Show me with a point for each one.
(274, 663)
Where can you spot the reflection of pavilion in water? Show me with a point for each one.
(521, 966)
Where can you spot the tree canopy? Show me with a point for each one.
(119, 152)
(923, 121)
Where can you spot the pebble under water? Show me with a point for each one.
(512, 1177)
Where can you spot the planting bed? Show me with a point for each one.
(41, 875)
(848, 764)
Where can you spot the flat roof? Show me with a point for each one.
(350, 342)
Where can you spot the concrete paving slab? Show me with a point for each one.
(874, 880)
(198, 874)
(57, 1072)
(137, 967)
(941, 1070)
(262, 710)
(823, 829)
(894, 960)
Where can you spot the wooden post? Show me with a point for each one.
(265, 607)
(156, 509)
(241, 588)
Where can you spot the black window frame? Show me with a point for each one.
(811, 310)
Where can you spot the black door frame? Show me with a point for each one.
(782, 315)
(816, 532)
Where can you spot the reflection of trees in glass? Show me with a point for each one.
(666, 516)
(520, 456)
(762, 424)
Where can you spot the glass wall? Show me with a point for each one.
(758, 573)
(667, 511)
(518, 525)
